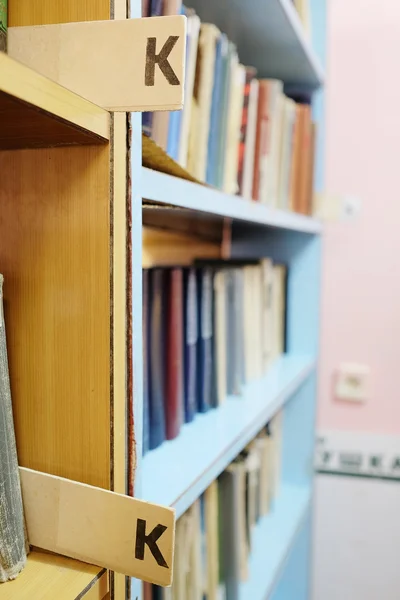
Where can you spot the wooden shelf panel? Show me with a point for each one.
(38, 113)
(50, 577)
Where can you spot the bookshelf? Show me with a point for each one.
(74, 198)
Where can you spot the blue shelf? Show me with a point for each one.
(269, 35)
(180, 193)
(176, 473)
(272, 541)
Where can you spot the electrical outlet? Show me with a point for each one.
(351, 207)
(352, 383)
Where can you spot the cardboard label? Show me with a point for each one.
(99, 527)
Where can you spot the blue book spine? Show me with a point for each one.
(205, 342)
(190, 341)
(214, 117)
(157, 358)
(146, 408)
(223, 118)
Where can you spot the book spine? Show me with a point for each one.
(204, 347)
(215, 112)
(146, 408)
(190, 345)
(157, 354)
(174, 355)
(13, 542)
(261, 148)
(250, 74)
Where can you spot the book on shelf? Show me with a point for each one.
(13, 536)
(208, 330)
(236, 133)
(214, 538)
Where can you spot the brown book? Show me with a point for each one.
(174, 355)
(147, 591)
(250, 75)
(262, 136)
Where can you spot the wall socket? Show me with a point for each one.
(352, 383)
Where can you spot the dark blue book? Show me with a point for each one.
(190, 325)
(205, 339)
(146, 408)
(157, 357)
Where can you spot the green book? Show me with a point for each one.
(13, 541)
(3, 25)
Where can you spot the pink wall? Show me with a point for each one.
(361, 275)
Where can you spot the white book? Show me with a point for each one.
(267, 323)
(200, 122)
(220, 335)
(250, 143)
(275, 91)
(276, 138)
(193, 29)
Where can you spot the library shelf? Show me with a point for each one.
(272, 540)
(49, 577)
(36, 112)
(269, 35)
(178, 472)
(174, 192)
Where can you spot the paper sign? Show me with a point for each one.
(99, 527)
(127, 65)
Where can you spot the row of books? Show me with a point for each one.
(207, 330)
(236, 132)
(214, 537)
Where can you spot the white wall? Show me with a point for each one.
(356, 539)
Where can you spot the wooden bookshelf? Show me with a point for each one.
(47, 576)
(37, 113)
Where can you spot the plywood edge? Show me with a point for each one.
(49, 576)
(24, 84)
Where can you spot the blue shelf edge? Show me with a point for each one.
(273, 538)
(173, 191)
(178, 472)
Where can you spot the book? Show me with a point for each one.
(193, 30)
(190, 343)
(262, 140)
(202, 100)
(156, 357)
(250, 74)
(220, 337)
(3, 25)
(13, 538)
(279, 309)
(234, 120)
(211, 517)
(205, 339)
(174, 354)
(145, 332)
(250, 141)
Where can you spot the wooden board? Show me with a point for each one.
(55, 257)
(165, 248)
(118, 532)
(41, 12)
(52, 577)
(109, 62)
(36, 112)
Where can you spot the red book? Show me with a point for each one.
(174, 354)
(250, 75)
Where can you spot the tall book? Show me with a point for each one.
(3, 25)
(174, 354)
(234, 120)
(157, 357)
(262, 140)
(250, 143)
(211, 514)
(279, 309)
(193, 30)
(145, 331)
(205, 339)
(222, 140)
(190, 343)
(13, 541)
(276, 105)
(204, 83)
(220, 334)
(249, 77)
